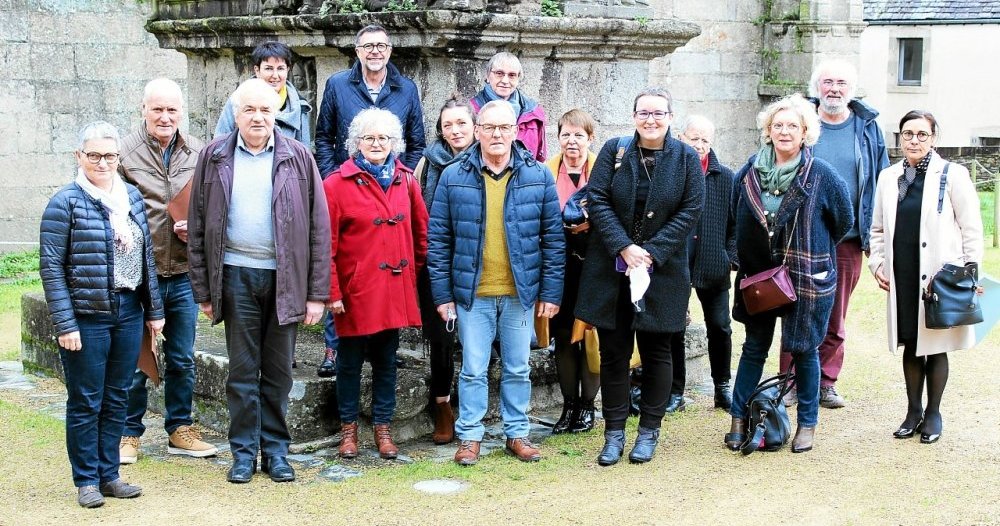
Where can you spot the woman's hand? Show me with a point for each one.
(206, 309)
(70, 341)
(337, 307)
(155, 326)
(314, 312)
(883, 282)
(636, 256)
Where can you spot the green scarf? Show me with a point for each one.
(774, 179)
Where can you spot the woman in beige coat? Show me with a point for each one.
(907, 194)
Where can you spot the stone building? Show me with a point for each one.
(69, 62)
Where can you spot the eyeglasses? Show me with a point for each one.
(95, 158)
(372, 139)
(829, 83)
(500, 74)
(369, 47)
(505, 129)
(921, 136)
(656, 115)
(791, 127)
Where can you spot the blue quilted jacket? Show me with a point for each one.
(533, 226)
(77, 257)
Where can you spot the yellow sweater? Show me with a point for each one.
(497, 278)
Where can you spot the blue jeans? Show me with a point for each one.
(260, 363)
(181, 315)
(477, 328)
(97, 382)
(330, 332)
(381, 350)
(751, 368)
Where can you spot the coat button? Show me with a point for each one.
(924, 244)
(770, 234)
(923, 277)
(478, 221)
(766, 213)
(649, 215)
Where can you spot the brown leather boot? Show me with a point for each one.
(737, 434)
(803, 440)
(348, 440)
(444, 423)
(468, 452)
(523, 449)
(383, 439)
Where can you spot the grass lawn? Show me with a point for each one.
(857, 473)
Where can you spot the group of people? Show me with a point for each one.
(465, 236)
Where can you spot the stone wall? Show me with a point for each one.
(65, 63)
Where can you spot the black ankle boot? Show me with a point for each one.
(566, 419)
(614, 446)
(584, 418)
(723, 396)
(645, 445)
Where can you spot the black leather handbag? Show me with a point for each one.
(767, 419)
(951, 298)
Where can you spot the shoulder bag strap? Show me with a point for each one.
(944, 182)
(623, 143)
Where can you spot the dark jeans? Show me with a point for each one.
(330, 332)
(181, 315)
(616, 351)
(381, 351)
(760, 333)
(831, 351)
(442, 342)
(715, 304)
(260, 363)
(97, 380)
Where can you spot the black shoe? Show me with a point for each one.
(723, 396)
(614, 446)
(907, 430)
(328, 368)
(584, 420)
(277, 468)
(242, 471)
(676, 403)
(645, 445)
(569, 412)
(931, 431)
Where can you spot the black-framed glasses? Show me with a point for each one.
(656, 115)
(381, 47)
(921, 136)
(505, 129)
(95, 158)
(372, 139)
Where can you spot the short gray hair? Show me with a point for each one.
(654, 91)
(162, 86)
(798, 104)
(499, 103)
(504, 57)
(839, 65)
(376, 119)
(256, 85)
(98, 130)
(699, 121)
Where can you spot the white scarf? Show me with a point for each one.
(117, 203)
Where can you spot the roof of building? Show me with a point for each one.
(932, 11)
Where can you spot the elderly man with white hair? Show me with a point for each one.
(259, 251)
(158, 158)
(496, 255)
(852, 142)
(711, 256)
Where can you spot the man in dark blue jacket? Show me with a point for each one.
(372, 82)
(496, 250)
(852, 142)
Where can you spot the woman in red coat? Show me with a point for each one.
(379, 243)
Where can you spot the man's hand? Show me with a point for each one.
(70, 341)
(181, 229)
(155, 326)
(206, 309)
(883, 282)
(447, 311)
(314, 312)
(337, 307)
(547, 310)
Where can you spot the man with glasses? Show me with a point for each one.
(852, 142)
(372, 82)
(496, 253)
(503, 74)
(159, 159)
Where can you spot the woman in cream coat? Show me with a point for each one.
(907, 194)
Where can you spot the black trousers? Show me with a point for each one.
(442, 342)
(718, 325)
(657, 369)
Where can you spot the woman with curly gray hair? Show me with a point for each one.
(790, 208)
(378, 224)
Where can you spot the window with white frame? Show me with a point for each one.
(911, 60)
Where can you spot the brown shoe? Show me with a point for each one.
(468, 453)
(523, 449)
(348, 440)
(383, 439)
(444, 423)
(737, 434)
(803, 440)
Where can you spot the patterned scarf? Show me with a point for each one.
(381, 172)
(910, 174)
(117, 203)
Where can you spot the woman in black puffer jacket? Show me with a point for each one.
(100, 284)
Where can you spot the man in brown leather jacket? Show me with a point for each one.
(159, 159)
(259, 249)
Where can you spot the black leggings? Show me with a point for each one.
(917, 370)
(442, 343)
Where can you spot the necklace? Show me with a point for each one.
(642, 161)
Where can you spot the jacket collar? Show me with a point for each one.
(349, 169)
(179, 142)
(225, 149)
(714, 166)
(439, 154)
(472, 158)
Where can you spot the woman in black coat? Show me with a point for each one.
(642, 213)
(100, 284)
